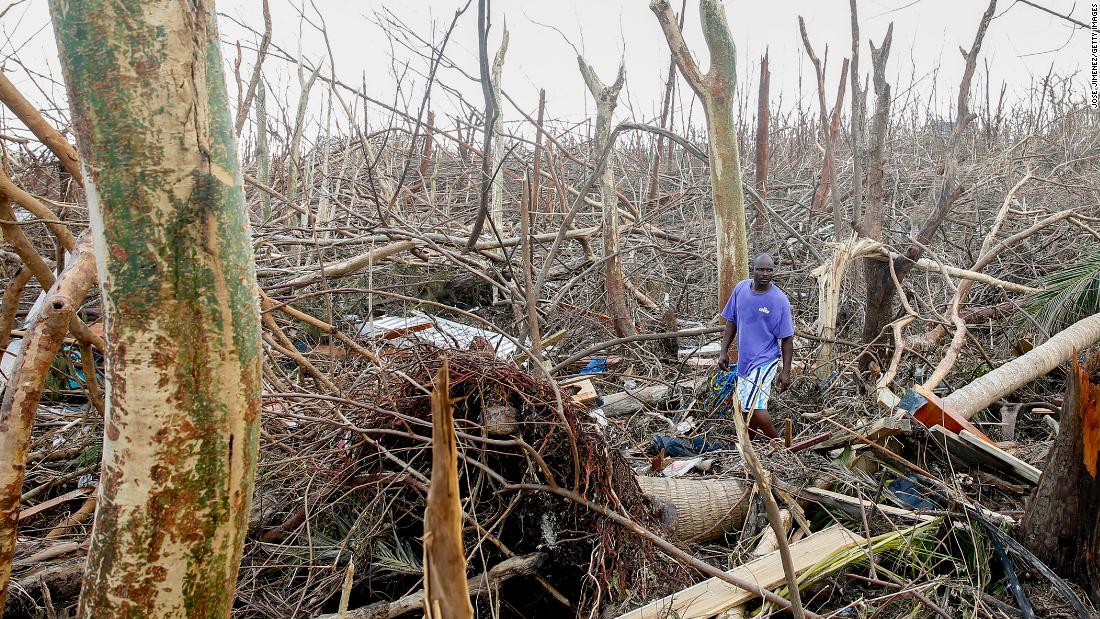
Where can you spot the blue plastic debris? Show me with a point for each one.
(723, 385)
(915, 494)
(597, 365)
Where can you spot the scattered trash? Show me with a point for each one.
(675, 447)
(911, 492)
(679, 468)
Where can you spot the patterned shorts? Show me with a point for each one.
(753, 390)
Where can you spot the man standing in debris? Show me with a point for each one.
(759, 313)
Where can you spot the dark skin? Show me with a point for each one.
(763, 268)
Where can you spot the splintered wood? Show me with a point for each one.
(446, 594)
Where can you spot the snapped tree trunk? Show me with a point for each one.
(1062, 522)
(716, 88)
(496, 208)
(154, 131)
(607, 97)
(876, 274)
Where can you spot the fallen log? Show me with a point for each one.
(627, 402)
(349, 266)
(999, 382)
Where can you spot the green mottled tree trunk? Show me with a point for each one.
(716, 89)
(153, 127)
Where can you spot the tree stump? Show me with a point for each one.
(1061, 522)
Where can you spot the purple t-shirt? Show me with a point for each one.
(762, 319)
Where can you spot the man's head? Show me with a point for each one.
(763, 267)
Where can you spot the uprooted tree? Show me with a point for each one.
(154, 132)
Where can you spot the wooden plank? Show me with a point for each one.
(1009, 461)
(586, 391)
(713, 596)
(852, 504)
(935, 413)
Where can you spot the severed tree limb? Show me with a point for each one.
(985, 256)
(351, 265)
(9, 305)
(20, 403)
(41, 269)
(267, 305)
(283, 345)
(250, 92)
(775, 518)
(32, 118)
(879, 251)
(39, 210)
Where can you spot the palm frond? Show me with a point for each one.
(399, 558)
(1068, 295)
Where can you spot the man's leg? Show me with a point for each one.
(761, 423)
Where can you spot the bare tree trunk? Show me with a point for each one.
(876, 273)
(666, 110)
(762, 121)
(496, 208)
(1062, 522)
(607, 98)
(829, 131)
(716, 88)
(491, 112)
(880, 307)
(858, 101)
(148, 99)
(263, 150)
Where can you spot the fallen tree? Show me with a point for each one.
(987, 389)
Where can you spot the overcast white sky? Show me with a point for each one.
(1022, 45)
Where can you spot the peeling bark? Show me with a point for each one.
(17, 418)
(166, 203)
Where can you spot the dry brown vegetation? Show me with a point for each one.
(376, 222)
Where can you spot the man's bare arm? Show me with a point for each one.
(787, 347)
(727, 339)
